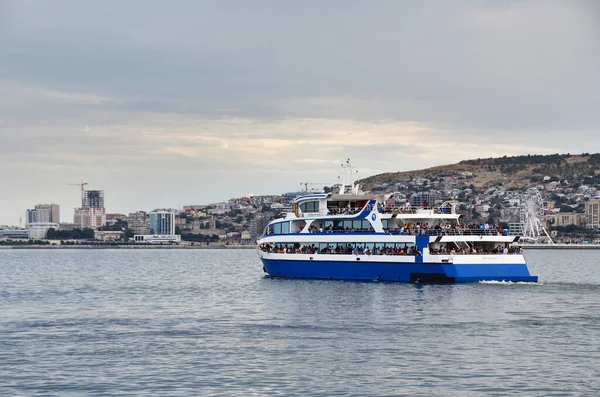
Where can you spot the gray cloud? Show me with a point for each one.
(193, 89)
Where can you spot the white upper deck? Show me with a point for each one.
(350, 209)
(349, 200)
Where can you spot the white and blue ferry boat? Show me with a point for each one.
(351, 235)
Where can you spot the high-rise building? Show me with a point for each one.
(92, 198)
(257, 224)
(89, 217)
(48, 212)
(92, 213)
(592, 214)
(162, 222)
(138, 222)
(31, 216)
(43, 213)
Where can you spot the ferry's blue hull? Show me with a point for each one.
(402, 272)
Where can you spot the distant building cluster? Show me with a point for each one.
(564, 205)
(162, 229)
(40, 219)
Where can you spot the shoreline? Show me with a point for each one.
(561, 246)
(71, 247)
(218, 247)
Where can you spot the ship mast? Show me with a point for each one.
(348, 185)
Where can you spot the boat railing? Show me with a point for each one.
(451, 253)
(342, 230)
(416, 232)
(415, 210)
(343, 211)
(383, 251)
(387, 210)
(340, 251)
(449, 232)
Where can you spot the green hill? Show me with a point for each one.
(511, 172)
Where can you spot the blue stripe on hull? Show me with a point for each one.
(403, 272)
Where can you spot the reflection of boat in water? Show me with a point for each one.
(352, 235)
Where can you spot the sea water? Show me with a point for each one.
(208, 323)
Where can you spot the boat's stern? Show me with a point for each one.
(476, 268)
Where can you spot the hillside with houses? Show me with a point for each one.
(516, 171)
(492, 189)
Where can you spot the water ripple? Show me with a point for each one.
(199, 322)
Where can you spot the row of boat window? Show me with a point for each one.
(332, 206)
(279, 228)
(334, 225)
(343, 248)
(311, 206)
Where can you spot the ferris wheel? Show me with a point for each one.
(532, 218)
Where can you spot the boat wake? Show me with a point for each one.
(495, 282)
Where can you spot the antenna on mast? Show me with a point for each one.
(348, 185)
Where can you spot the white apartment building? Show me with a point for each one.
(51, 212)
(43, 213)
(162, 222)
(90, 217)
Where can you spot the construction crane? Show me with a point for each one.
(306, 184)
(82, 184)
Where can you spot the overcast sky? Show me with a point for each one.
(167, 103)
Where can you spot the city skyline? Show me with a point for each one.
(209, 101)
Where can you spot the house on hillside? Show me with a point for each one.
(379, 186)
(482, 208)
(219, 208)
(420, 181)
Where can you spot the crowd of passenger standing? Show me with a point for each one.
(340, 249)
